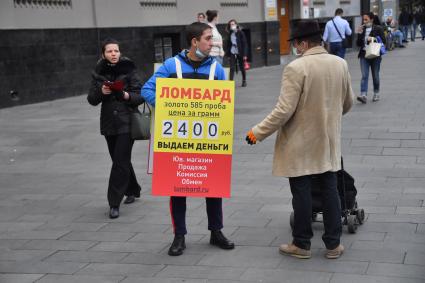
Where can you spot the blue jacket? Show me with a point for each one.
(168, 70)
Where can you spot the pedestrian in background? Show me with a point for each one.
(404, 22)
(308, 119)
(115, 84)
(365, 33)
(217, 51)
(237, 50)
(191, 64)
(422, 21)
(336, 30)
(201, 18)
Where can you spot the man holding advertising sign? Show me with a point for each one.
(190, 153)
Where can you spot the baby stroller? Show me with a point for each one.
(352, 215)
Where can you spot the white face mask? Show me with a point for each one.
(233, 27)
(295, 50)
(199, 53)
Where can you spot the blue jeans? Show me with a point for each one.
(375, 66)
(413, 32)
(336, 48)
(302, 203)
(405, 31)
(399, 36)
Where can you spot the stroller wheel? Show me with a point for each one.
(291, 220)
(360, 216)
(352, 223)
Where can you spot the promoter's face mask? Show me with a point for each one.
(200, 54)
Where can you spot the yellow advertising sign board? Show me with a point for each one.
(194, 116)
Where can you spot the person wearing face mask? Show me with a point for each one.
(316, 91)
(365, 34)
(237, 49)
(116, 85)
(217, 51)
(194, 63)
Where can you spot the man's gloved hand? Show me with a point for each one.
(250, 138)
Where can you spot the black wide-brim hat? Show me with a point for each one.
(304, 28)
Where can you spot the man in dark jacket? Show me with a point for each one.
(404, 22)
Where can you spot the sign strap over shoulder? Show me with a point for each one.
(212, 71)
(180, 74)
(178, 68)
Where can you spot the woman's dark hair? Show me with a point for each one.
(108, 41)
(371, 15)
(228, 24)
(211, 14)
(195, 30)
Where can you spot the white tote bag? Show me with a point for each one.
(373, 49)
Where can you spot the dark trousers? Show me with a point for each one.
(122, 180)
(236, 61)
(178, 214)
(337, 48)
(302, 204)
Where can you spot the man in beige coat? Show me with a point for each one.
(316, 91)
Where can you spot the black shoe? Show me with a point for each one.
(177, 246)
(219, 240)
(243, 84)
(129, 199)
(362, 99)
(114, 212)
(402, 46)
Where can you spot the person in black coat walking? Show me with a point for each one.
(116, 85)
(364, 35)
(236, 50)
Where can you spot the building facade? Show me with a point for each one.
(49, 47)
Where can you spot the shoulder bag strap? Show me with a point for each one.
(212, 71)
(178, 68)
(337, 29)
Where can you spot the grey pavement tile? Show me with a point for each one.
(121, 269)
(129, 247)
(80, 227)
(162, 280)
(163, 258)
(163, 237)
(413, 143)
(388, 227)
(18, 226)
(57, 245)
(386, 256)
(86, 256)
(260, 257)
(355, 278)
(389, 151)
(401, 218)
(11, 244)
(410, 210)
(40, 267)
(396, 270)
(285, 276)
(24, 255)
(421, 229)
(228, 273)
(376, 142)
(394, 136)
(53, 278)
(19, 278)
(414, 257)
(33, 235)
(136, 227)
(319, 263)
(98, 236)
(254, 236)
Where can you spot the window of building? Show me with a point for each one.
(165, 46)
(43, 3)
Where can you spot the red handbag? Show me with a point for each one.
(246, 64)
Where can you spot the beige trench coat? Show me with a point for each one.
(315, 93)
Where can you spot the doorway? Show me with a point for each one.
(283, 14)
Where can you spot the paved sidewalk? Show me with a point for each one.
(53, 210)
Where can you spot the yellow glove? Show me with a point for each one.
(250, 138)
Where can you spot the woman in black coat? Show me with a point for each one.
(364, 35)
(116, 85)
(237, 49)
